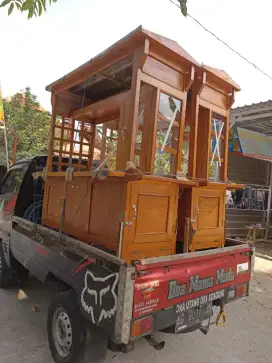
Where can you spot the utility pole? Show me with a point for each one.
(3, 127)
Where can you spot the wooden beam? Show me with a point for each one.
(143, 53)
(155, 106)
(192, 115)
(189, 79)
(101, 108)
(163, 87)
(181, 135)
(203, 143)
(209, 134)
(226, 149)
(214, 108)
(122, 146)
(134, 106)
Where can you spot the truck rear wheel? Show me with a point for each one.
(5, 271)
(71, 339)
(65, 328)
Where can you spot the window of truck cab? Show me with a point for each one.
(14, 178)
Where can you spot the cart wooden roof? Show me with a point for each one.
(224, 76)
(118, 51)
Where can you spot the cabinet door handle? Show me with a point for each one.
(196, 214)
(134, 211)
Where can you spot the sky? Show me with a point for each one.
(37, 52)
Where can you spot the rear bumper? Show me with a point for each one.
(165, 320)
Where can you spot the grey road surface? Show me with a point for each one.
(246, 338)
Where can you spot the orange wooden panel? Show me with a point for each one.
(107, 211)
(207, 242)
(156, 206)
(209, 217)
(208, 210)
(203, 142)
(77, 211)
(53, 199)
(152, 211)
(184, 211)
(213, 96)
(164, 73)
(96, 111)
(157, 249)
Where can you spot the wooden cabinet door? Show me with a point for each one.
(152, 211)
(208, 214)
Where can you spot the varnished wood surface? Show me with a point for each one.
(148, 205)
(94, 212)
(152, 214)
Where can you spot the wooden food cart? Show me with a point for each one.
(156, 122)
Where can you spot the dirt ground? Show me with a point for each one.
(246, 338)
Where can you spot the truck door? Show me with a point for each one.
(8, 195)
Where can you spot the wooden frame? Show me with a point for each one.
(212, 90)
(105, 94)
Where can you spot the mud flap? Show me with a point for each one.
(95, 345)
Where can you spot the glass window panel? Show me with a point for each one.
(107, 137)
(217, 148)
(167, 135)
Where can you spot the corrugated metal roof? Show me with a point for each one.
(256, 117)
(253, 106)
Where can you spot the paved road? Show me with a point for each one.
(247, 337)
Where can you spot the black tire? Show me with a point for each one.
(5, 271)
(88, 343)
(65, 303)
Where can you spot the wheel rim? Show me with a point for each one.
(62, 332)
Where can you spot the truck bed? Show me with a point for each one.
(172, 292)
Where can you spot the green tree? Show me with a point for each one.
(31, 123)
(32, 7)
(37, 7)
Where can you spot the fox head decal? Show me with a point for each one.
(98, 297)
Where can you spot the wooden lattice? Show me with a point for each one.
(72, 145)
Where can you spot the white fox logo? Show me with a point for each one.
(98, 297)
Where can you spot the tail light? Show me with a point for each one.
(241, 290)
(141, 326)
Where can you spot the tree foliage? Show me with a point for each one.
(183, 7)
(31, 123)
(37, 7)
(31, 7)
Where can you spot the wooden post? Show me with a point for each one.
(226, 148)
(133, 113)
(194, 115)
(52, 132)
(204, 143)
(181, 135)
(153, 122)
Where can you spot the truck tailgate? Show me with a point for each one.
(192, 279)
